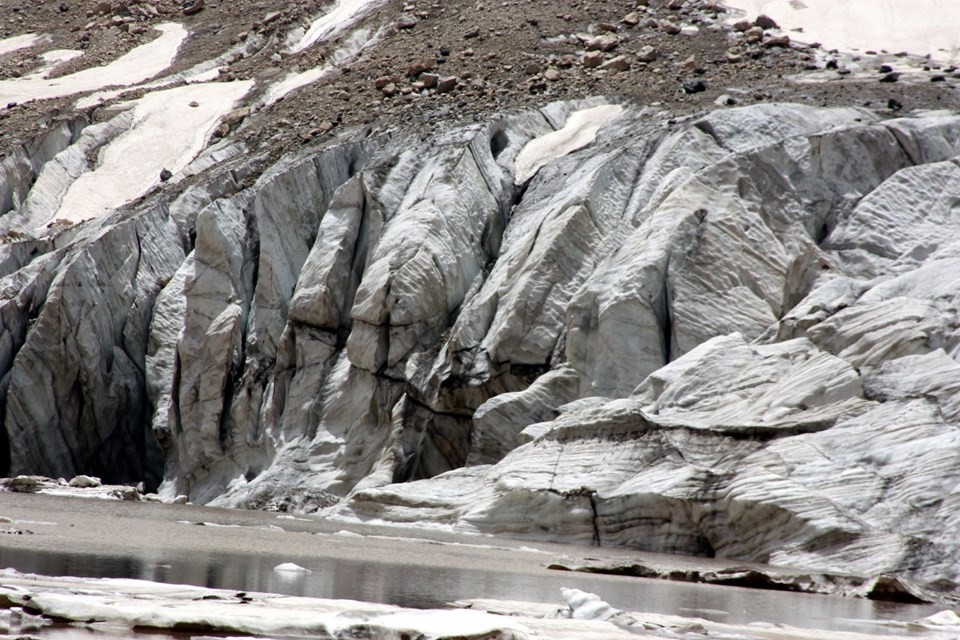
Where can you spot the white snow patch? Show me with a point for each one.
(356, 42)
(105, 96)
(289, 567)
(167, 133)
(916, 26)
(343, 13)
(295, 81)
(579, 131)
(58, 56)
(15, 43)
(137, 65)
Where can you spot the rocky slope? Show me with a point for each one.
(731, 333)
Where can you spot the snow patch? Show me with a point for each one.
(15, 43)
(167, 133)
(340, 16)
(579, 131)
(137, 65)
(919, 26)
(356, 42)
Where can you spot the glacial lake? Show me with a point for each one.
(418, 586)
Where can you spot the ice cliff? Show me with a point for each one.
(733, 335)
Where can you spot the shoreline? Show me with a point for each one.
(165, 543)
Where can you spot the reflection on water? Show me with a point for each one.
(427, 587)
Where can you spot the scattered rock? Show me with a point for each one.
(165, 175)
(670, 28)
(765, 22)
(551, 74)
(694, 86)
(406, 21)
(448, 84)
(890, 77)
(593, 59)
(606, 42)
(777, 41)
(619, 63)
(753, 34)
(126, 493)
(646, 54)
(191, 7)
(632, 19)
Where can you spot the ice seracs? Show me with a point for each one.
(730, 335)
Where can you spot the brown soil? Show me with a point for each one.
(506, 55)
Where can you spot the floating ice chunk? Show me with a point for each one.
(944, 620)
(587, 606)
(289, 567)
(580, 130)
(84, 482)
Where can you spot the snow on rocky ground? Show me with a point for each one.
(921, 27)
(138, 65)
(168, 129)
(22, 41)
(340, 16)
